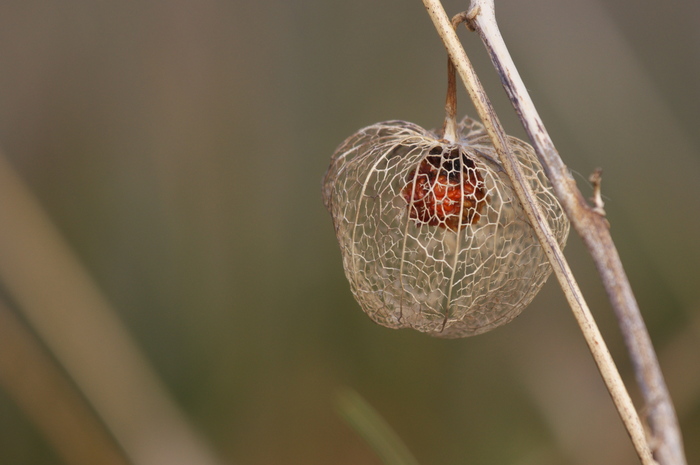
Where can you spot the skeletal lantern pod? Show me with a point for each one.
(431, 232)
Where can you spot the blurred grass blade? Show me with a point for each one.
(70, 314)
(371, 426)
(50, 400)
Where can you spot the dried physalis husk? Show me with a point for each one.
(431, 232)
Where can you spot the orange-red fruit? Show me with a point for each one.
(446, 191)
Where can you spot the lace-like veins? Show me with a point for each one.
(446, 190)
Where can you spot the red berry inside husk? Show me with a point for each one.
(446, 190)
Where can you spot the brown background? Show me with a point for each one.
(179, 147)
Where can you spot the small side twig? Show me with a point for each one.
(595, 179)
(594, 230)
(561, 268)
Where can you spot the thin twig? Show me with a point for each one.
(593, 228)
(562, 271)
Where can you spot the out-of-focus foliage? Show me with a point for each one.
(179, 146)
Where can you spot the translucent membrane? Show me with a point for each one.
(432, 234)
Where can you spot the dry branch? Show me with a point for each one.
(589, 223)
(594, 230)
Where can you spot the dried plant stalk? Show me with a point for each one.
(593, 229)
(566, 279)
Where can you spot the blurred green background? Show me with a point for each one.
(179, 147)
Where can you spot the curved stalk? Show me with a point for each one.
(573, 294)
(593, 228)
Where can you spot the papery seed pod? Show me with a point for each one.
(431, 232)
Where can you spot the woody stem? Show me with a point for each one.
(449, 129)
